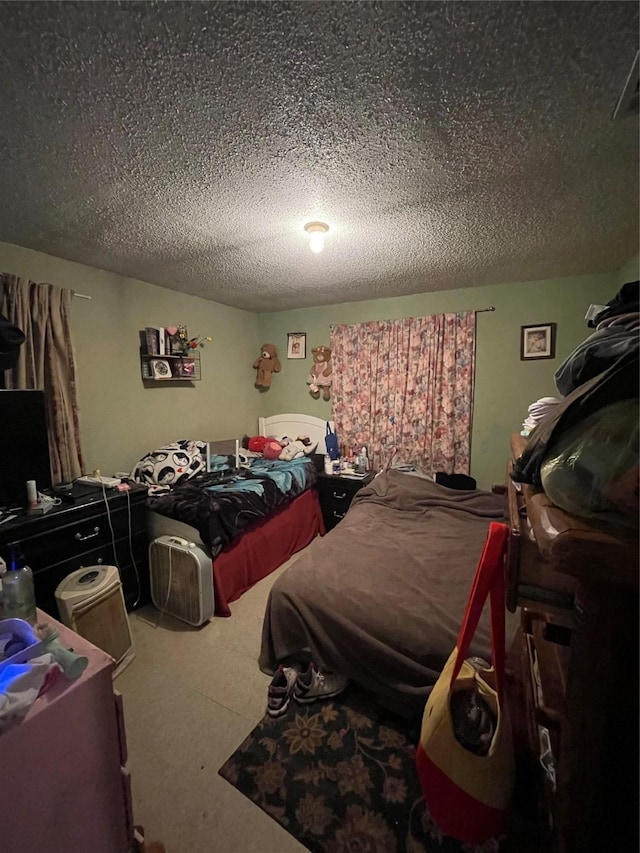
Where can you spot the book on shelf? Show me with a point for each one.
(151, 337)
(160, 369)
(185, 368)
(157, 340)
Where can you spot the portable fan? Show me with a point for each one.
(181, 579)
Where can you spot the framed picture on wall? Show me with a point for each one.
(296, 345)
(537, 342)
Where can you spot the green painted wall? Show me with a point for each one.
(630, 271)
(120, 419)
(504, 385)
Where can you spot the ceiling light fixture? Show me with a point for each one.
(317, 232)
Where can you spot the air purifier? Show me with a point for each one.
(181, 579)
(90, 601)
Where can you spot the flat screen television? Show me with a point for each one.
(24, 446)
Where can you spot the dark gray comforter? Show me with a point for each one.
(381, 597)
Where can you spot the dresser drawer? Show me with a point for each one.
(340, 490)
(336, 494)
(531, 581)
(122, 734)
(69, 541)
(46, 580)
(548, 664)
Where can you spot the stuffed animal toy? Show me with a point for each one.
(320, 376)
(272, 449)
(300, 447)
(266, 364)
(279, 448)
(254, 443)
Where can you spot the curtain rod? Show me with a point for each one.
(475, 311)
(81, 295)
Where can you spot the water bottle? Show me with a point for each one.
(18, 592)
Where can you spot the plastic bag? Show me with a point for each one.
(593, 468)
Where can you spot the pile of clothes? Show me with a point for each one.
(537, 412)
(584, 452)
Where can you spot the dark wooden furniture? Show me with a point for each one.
(83, 533)
(336, 493)
(573, 668)
(171, 368)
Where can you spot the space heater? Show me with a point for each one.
(90, 602)
(181, 579)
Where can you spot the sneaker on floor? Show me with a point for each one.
(313, 684)
(280, 691)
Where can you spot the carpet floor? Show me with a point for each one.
(340, 777)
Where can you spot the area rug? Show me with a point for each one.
(340, 777)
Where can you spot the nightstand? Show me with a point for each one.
(336, 493)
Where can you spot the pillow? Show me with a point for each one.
(171, 464)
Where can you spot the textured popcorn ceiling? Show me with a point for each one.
(446, 144)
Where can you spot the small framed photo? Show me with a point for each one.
(160, 368)
(537, 342)
(296, 345)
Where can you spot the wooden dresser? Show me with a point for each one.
(574, 674)
(97, 529)
(66, 784)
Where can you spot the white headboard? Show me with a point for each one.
(295, 425)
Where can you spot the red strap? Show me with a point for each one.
(488, 580)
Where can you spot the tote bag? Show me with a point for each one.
(331, 443)
(467, 794)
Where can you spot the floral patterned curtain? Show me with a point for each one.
(47, 363)
(405, 389)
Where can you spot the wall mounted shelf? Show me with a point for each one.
(170, 368)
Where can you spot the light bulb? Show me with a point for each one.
(316, 232)
(316, 243)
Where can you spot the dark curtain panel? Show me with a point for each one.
(47, 363)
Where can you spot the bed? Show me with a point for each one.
(380, 598)
(253, 523)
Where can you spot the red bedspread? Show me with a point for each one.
(263, 547)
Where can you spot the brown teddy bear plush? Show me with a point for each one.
(320, 376)
(266, 364)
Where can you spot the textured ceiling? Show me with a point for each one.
(446, 144)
